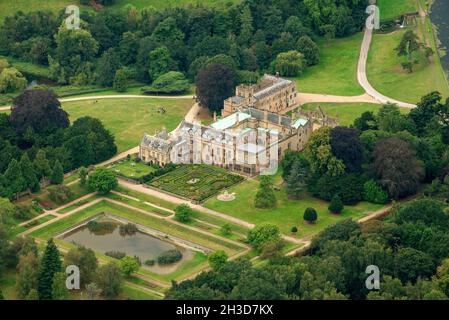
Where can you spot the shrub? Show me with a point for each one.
(265, 197)
(310, 215)
(100, 227)
(128, 229)
(336, 205)
(116, 254)
(172, 82)
(226, 229)
(272, 249)
(294, 230)
(183, 213)
(217, 259)
(372, 192)
(149, 262)
(60, 194)
(169, 257)
(262, 234)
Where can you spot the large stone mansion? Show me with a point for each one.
(251, 137)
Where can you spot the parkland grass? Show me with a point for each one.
(129, 119)
(390, 9)
(288, 212)
(347, 112)
(386, 74)
(336, 73)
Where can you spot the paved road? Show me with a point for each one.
(363, 79)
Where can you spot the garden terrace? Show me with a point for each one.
(131, 169)
(147, 219)
(196, 182)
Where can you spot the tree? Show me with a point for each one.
(42, 165)
(120, 81)
(107, 67)
(49, 266)
(346, 146)
(40, 110)
(265, 197)
(11, 80)
(408, 45)
(246, 29)
(102, 181)
(309, 49)
(59, 289)
(83, 175)
(396, 168)
(262, 234)
(129, 265)
(27, 274)
(28, 173)
(412, 264)
(92, 291)
(318, 152)
(33, 295)
(336, 205)
(183, 213)
(217, 259)
(109, 280)
(272, 249)
(172, 82)
(57, 176)
(288, 64)
(14, 180)
(310, 215)
(214, 84)
(296, 180)
(374, 193)
(428, 108)
(160, 62)
(366, 121)
(74, 53)
(86, 260)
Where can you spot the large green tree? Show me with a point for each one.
(102, 181)
(50, 265)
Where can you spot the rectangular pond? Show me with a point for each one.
(106, 237)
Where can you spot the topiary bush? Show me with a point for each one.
(310, 215)
(169, 257)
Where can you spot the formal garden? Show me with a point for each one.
(196, 182)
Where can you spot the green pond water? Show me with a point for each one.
(139, 244)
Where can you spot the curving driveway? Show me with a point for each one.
(363, 79)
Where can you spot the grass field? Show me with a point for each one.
(288, 213)
(337, 71)
(129, 119)
(131, 169)
(390, 9)
(347, 112)
(385, 72)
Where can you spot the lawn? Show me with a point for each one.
(337, 71)
(196, 182)
(385, 72)
(129, 119)
(347, 112)
(131, 169)
(288, 213)
(390, 9)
